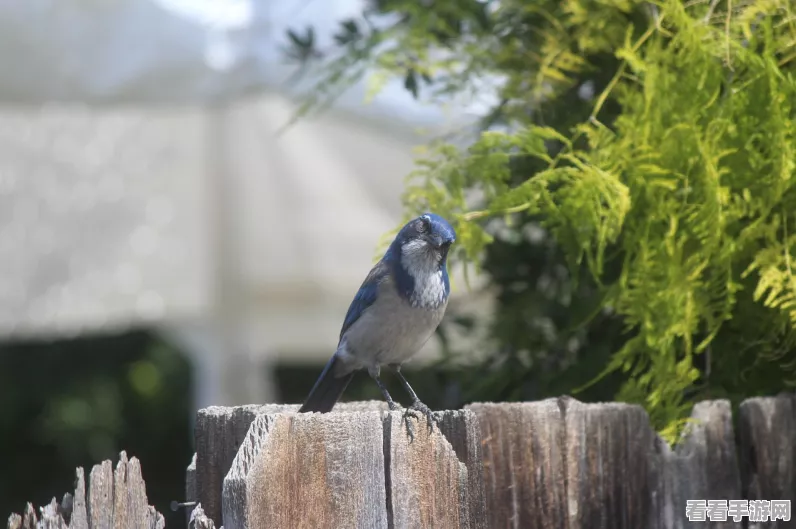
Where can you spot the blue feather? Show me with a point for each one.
(366, 294)
(404, 281)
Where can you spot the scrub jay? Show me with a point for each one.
(394, 313)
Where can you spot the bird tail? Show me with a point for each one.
(327, 389)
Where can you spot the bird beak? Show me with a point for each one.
(435, 241)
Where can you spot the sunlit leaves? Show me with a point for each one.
(679, 184)
(688, 182)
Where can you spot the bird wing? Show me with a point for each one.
(366, 295)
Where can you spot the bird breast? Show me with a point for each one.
(422, 263)
(391, 330)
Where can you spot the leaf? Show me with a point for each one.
(410, 82)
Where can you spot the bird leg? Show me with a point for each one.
(417, 406)
(374, 374)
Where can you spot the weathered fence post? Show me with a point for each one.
(219, 432)
(562, 464)
(768, 442)
(303, 471)
(523, 471)
(429, 480)
(462, 430)
(554, 464)
(197, 519)
(190, 488)
(355, 469)
(116, 499)
(703, 466)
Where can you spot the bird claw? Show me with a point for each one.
(417, 410)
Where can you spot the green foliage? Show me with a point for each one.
(673, 187)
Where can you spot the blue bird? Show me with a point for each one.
(394, 313)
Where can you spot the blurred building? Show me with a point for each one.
(145, 179)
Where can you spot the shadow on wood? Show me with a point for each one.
(768, 442)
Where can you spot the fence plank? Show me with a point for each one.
(768, 441)
(559, 464)
(190, 480)
(562, 464)
(524, 468)
(462, 429)
(120, 514)
(29, 519)
(190, 488)
(219, 432)
(79, 518)
(307, 471)
(703, 466)
(100, 496)
(51, 517)
(608, 466)
(14, 521)
(200, 519)
(427, 482)
(116, 499)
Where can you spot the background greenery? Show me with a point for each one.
(652, 146)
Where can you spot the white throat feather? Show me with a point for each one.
(422, 262)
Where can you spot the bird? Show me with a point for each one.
(393, 314)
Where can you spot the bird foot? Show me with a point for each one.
(417, 410)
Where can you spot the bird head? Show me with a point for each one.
(427, 238)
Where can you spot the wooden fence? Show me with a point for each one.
(116, 498)
(554, 464)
